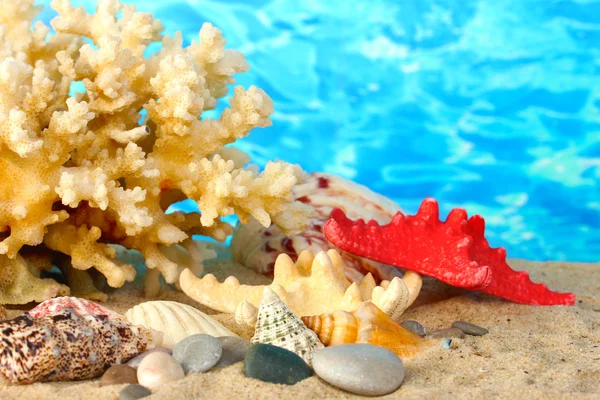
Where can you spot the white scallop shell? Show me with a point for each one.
(176, 320)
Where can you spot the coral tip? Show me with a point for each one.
(454, 251)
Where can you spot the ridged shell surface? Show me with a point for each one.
(79, 306)
(176, 320)
(277, 325)
(368, 324)
(257, 247)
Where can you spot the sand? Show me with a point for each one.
(530, 352)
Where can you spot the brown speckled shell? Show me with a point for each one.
(66, 346)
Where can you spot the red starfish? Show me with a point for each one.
(453, 251)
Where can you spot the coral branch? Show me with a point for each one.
(79, 173)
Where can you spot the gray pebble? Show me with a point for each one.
(135, 361)
(134, 392)
(447, 333)
(234, 350)
(198, 353)
(359, 368)
(414, 327)
(470, 329)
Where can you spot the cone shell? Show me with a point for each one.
(246, 314)
(277, 325)
(68, 346)
(368, 324)
(176, 320)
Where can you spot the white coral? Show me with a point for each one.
(79, 172)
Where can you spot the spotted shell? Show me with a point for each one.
(257, 247)
(68, 346)
(79, 306)
(276, 324)
(176, 320)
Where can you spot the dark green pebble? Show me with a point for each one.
(134, 392)
(274, 364)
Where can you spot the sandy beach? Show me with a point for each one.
(530, 352)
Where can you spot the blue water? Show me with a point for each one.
(489, 105)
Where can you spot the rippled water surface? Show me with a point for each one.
(489, 105)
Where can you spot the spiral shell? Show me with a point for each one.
(176, 320)
(368, 324)
(257, 247)
(80, 307)
(68, 346)
(277, 325)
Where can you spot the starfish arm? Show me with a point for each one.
(454, 251)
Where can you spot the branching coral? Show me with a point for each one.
(81, 172)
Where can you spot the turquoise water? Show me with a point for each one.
(489, 105)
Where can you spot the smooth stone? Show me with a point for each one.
(134, 392)
(470, 329)
(447, 333)
(234, 350)
(119, 374)
(359, 368)
(135, 361)
(414, 327)
(198, 353)
(274, 364)
(158, 368)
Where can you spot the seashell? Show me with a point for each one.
(246, 314)
(368, 324)
(257, 247)
(397, 295)
(79, 306)
(68, 346)
(311, 286)
(176, 320)
(277, 325)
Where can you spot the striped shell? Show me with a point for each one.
(368, 324)
(176, 320)
(276, 324)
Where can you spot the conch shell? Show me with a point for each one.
(176, 320)
(311, 286)
(368, 324)
(257, 247)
